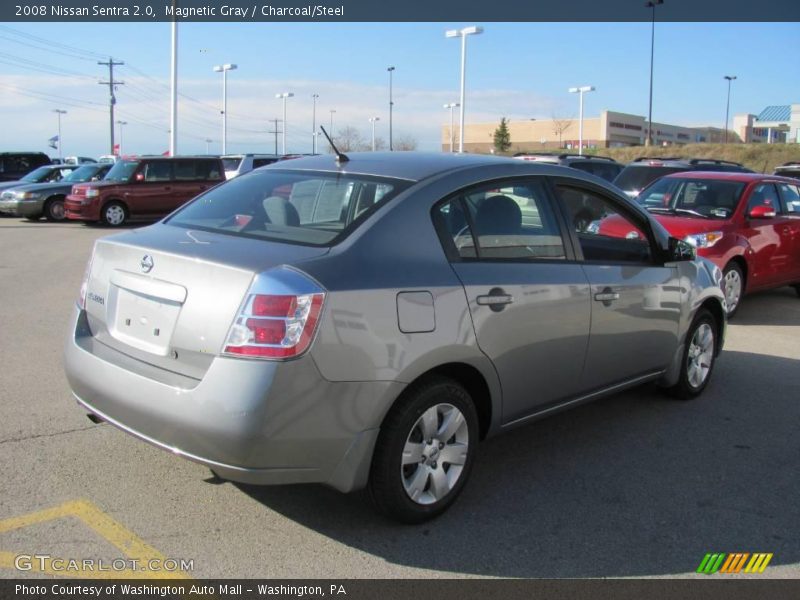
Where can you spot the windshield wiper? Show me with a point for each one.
(686, 211)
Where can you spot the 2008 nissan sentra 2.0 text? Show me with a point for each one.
(368, 320)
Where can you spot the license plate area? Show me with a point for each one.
(142, 321)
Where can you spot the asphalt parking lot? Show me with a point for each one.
(633, 485)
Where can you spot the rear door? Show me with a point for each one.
(528, 299)
(635, 300)
(192, 177)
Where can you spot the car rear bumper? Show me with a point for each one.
(250, 421)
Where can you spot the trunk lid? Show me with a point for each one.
(167, 295)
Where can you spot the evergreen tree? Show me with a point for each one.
(502, 137)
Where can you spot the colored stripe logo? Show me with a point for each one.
(732, 563)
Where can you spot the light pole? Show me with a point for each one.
(313, 124)
(580, 91)
(332, 111)
(391, 107)
(224, 70)
(173, 92)
(728, 105)
(208, 147)
(373, 120)
(59, 112)
(121, 124)
(284, 96)
(451, 106)
(462, 33)
(652, 5)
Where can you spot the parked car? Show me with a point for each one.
(35, 200)
(789, 169)
(748, 224)
(602, 166)
(239, 164)
(638, 174)
(43, 174)
(15, 165)
(108, 158)
(365, 322)
(143, 188)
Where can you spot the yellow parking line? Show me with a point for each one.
(110, 530)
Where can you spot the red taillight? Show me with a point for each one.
(275, 326)
(274, 306)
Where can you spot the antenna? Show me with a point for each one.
(339, 156)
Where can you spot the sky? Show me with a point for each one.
(514, 70)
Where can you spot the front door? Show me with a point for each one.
(635, 300)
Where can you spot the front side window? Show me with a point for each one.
(764, 194)
(605, 233)
(122, 170)
(312, 208)
(790, 194)
(497, 222)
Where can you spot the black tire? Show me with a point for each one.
(114, 214)
(54, 209)
(733, 272)
(389, 476)
(687, 387)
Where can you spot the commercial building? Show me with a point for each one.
(773, 125)
(610, 129)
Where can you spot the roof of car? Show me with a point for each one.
(727, 176)
(413, 166)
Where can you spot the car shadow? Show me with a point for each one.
(637, 484)
(769, 308)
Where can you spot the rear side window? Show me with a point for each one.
(296, 207)
(231, 164)
(501, 222)
(196, 170)
(263, 162)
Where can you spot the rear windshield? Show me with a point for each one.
(122, 170)
(231, 164)
(301, 207)
(637, 178)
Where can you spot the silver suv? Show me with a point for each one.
(366, 322)
(239, 164)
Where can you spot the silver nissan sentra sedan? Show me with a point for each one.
(367, 320)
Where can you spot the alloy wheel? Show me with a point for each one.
(700, 356)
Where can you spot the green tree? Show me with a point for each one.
(502, 137)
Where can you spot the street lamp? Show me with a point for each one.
(284, 96)
(391, 106)
(224, 70)
(313, 124)
(451, 106)
(580, 91)
(728, 106)
(462, 33)
(208, 148)
(121, 124)
(651, 4)
(332, 111)
(59, 112)
(373, 120)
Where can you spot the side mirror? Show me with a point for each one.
(679, 250)
(762, 211)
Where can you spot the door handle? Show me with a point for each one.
(496, 299)
(606, 296)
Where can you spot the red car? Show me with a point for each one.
(748, 224)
